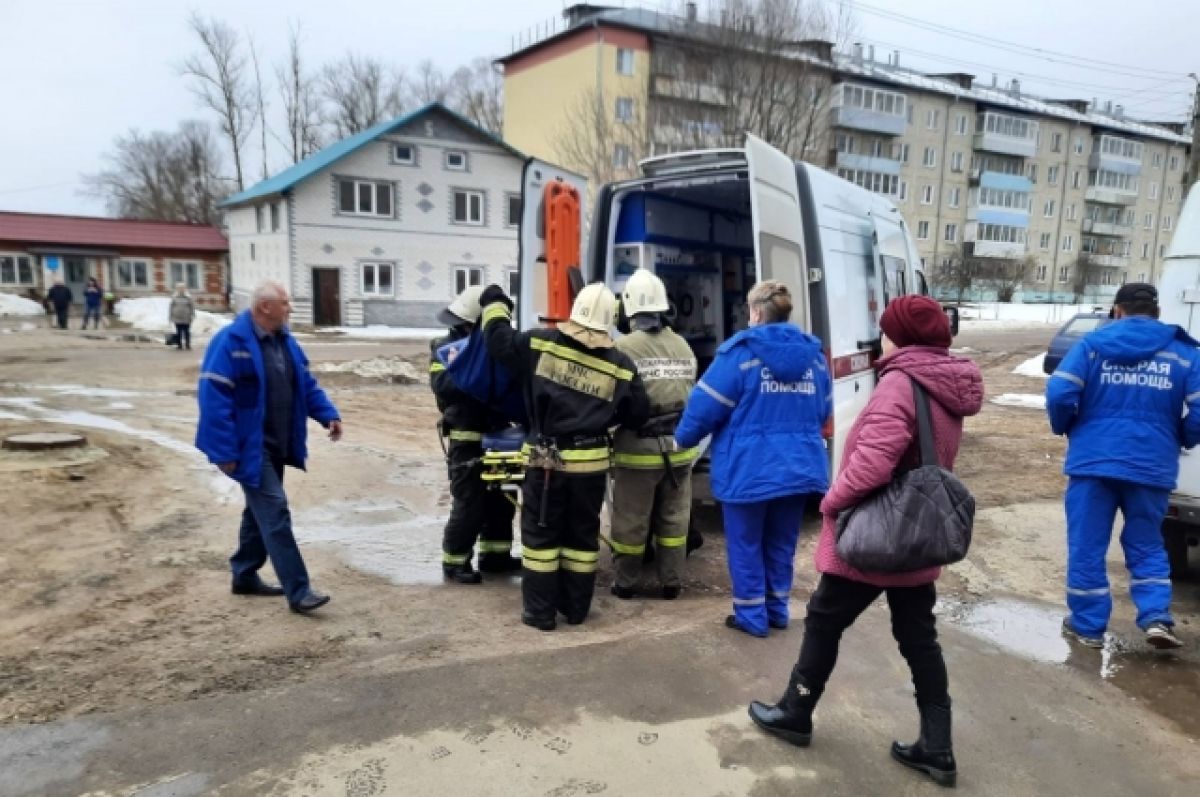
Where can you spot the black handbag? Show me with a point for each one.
(921, 518)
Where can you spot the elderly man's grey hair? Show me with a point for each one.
(266, 291)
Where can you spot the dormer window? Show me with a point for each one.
(405, 154)
(456, 161)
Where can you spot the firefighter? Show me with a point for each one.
(475, 511)
(652, 482)
(577, 386)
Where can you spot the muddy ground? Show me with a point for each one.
(115, 561)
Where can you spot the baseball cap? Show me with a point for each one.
(1136, 292)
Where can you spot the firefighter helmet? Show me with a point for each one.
(595, 308)
(464, 309)
(644, 293)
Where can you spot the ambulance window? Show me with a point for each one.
(893, 278)
(924, 286)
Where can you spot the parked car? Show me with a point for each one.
(1070, 334)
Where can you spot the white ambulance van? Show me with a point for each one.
(712, 223)
(1179, 299)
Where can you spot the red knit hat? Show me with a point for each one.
(916, 321)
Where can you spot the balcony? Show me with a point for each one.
(1111, 229)
(859, 106)
(869, 121)
(1110, 196)
(1115, 154)
(1000, 249)
(867, 163)
(1003, 217)
(687, 90)
(1108, 163)
(1006, 135)
(1108, 261)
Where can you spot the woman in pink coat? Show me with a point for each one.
(882, 442)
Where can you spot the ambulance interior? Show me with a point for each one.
(697, 237)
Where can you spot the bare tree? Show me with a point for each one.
(1085, 276)
(301, 107)
(1006, 275)
(601, 142)
(219, 80)
(429, 84)
(261, 104)
(359, 92)
(477, 92)
(163, 176)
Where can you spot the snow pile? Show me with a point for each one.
(154, 314)
(1006, 315)
(392, 369)
(1023, 400)
(381, 331)
(1032, 367)
(10, 304)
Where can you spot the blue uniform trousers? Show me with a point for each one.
(760, 541)
(267, 532)
(1092, 504)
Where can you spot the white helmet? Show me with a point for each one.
(595, 307)
(464, 309)
(644, 293)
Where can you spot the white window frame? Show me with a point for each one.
(922, 231)
(1145, 255)
(450, 154)
(1056, 140)
(1048, 209)
(1078, 145)
(1173, 162)
(1064, 273)
(1046, 241)
(512, 281)
(464, 276)
(1041, 273)
(1068, 243)
(933, 119)
(954, 196)
(624, 109)
(276, 216)
(622, 156)
(1071, 216)
(903, 195)
(956, 162)
(1170, 193)
(927, 195)
(468, 218)
(134, 265)
(1148, 221)
(929, 158)
(260, 224)
(1154, 190)
(398, 160)
(16, 258)
(1051, 175)
(1077, 178)
(1167, 222)
(376, 268)
(379, 187)
(512, 219)
(625, 61)
(951, 233)
(960, 124)
(186, 271)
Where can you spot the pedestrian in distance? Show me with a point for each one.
(476, 513)
(764, 400)
(881, 443)
(576, 386)
(256, 395)
(60, 297)
(652, 478)
(1127, 397)
(91, 303)
(183, 313)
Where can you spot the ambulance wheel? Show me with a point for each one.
(1175, 539)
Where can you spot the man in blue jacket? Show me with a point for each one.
(1119, 396)
(256, 396)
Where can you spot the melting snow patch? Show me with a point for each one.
(154, 314)
(380, 331)
(1032, 367)
(393, 368)
(120, 405)
(5, 415)
(1021, 400)
(10, 304)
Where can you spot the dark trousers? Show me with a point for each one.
(92, 313)
(266, 532)
(837, 603)
(60, 315)
(184, 333)
(475, 511)
(559, 556)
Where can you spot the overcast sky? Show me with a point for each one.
(75, 74)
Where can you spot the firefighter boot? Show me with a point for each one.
(932, 752)
(498, 562)
(791, 718)
(461, 574)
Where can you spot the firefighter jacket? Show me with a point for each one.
(464, 418)
(573, 393)
(667, 367)
(1119, 395)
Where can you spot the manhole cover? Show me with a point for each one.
(44, 441)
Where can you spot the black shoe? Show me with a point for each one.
(539, 624)
(576, 619)
(670, 593)
(498, 563)
(791, 718)
(461, 574)
(779, 625)
(309, 603)
(695, 540)
(624, 593)
(256, 587)
(731, 622)
(932, 752)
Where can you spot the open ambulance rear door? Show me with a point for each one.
(551, 242)
(778, 223)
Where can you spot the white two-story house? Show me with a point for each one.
(383, 227)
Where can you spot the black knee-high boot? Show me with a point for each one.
(933, 751)
(791, 718)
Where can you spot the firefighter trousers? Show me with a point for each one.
(645, 499)
(475, 511)
(559, 555)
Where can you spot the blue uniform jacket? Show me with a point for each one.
(1119, 396)
(233, 398)
(764, 400)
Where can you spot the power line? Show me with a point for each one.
(1053, 56)
(37, 188)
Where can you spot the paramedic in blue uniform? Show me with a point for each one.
(764, 400)
(256, 395)
(1119, 396)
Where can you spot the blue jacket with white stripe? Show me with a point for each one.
(764, 400)
(1119, 396)
(233, 399)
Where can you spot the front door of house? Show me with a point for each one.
(327, 297)
(75, 274)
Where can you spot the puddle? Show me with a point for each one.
(1028, 630)
(383, 538)
(119, 405)
(5, 415)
